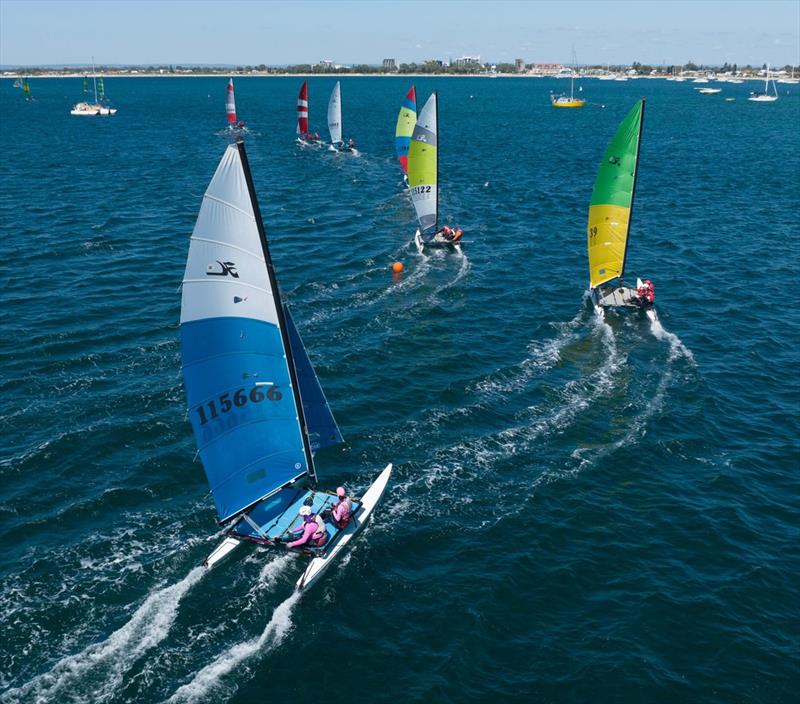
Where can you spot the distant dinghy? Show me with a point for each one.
(335, 121)
(610, 211)
(234, 124)
(423, 180)
(255, 404)
(304, 137)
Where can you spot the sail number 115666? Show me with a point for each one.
(240, 398)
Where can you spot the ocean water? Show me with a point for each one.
(579, 512)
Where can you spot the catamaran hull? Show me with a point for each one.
(369, 501)
(318, 565)
(438, 242)
(619, 297)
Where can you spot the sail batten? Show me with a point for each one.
(250, 435)
(423, 166)
(612, 201)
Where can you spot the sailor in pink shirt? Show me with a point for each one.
(313, 529)
(342, 509)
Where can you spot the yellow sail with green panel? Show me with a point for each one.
(612, 200)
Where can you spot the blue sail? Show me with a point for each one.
(242, 406)
(320, 423)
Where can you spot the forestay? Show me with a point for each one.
(243, 407)
(423, 165)
(335, 114)
(612, 200)
(405, 127)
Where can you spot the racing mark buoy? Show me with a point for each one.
(397, 267)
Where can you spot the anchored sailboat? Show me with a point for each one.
(610, 219)
(99, 107)
(404, 129)
(766, 96)
(423, 180)
(255, 403)
(335, 121)
(568, 101)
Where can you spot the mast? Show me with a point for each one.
(438, 149)
(273, 281)
(633, 189)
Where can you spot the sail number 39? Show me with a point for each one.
(240, 398)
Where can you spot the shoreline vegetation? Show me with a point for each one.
(428, 68)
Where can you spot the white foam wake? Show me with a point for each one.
(208, 678)
(676, 347)
(111, 658)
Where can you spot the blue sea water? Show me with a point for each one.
(579, 512)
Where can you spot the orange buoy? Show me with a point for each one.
(397, 267)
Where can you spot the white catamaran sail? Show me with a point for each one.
(255, 403)
(335, 115)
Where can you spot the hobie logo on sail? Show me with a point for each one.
(225, 269)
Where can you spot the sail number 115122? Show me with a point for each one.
(216, 407)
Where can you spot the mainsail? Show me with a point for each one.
(612, 200)
(302, 110)
(423, 165)
(230, 103)
(405, 127)
(335, 114)
(238, 367)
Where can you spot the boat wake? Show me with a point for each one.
(676, 347)
(207, 682)
(101, 667)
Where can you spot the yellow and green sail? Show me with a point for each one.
(612, 200)
(423, 167)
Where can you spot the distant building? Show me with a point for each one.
(468, 61)
(389, 65)
(547, 69)
(438, 62)
(520, 65)
(326, 63)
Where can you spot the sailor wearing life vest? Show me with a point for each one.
(313, 530)
(342, 510)
(646, 294)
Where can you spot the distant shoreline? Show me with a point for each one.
(264, 74)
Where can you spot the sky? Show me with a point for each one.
(241, 32)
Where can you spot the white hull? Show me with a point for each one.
(763, 98)
(86, 110)
(222, 550)
(368, 502)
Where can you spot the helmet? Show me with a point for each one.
(305, 510)
(341, 492)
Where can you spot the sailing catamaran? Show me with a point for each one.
(766, 96)
(98, 107)
(303, 135)
(423, 180)
(255, 403)
(335, 121)
(405, 128)
(230, 108)
(26, 89)
(610, 219)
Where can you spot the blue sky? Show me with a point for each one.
(36, 32)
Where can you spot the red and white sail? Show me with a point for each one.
(302, 110)
(230, 104)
